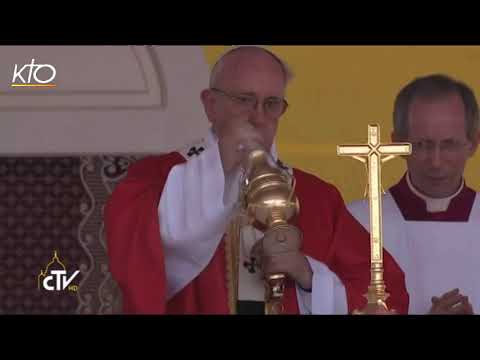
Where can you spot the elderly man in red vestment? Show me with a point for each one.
(166, 222)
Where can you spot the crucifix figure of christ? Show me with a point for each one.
(373, 154)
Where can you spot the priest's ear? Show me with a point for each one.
(475, 141)
(395, 138)
(209, 104)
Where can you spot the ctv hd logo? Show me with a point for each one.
(55, 277)
(34, 75)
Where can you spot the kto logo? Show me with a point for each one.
(34, 75)
(56, 279)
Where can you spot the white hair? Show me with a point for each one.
(218, 65)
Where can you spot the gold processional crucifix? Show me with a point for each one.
(371, 154)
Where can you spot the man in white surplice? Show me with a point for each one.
(431, 218)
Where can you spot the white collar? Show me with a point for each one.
(434, 204)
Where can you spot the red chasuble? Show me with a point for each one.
(331, 235)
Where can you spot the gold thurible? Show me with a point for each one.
(268, 196)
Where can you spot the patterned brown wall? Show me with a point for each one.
(52, 204)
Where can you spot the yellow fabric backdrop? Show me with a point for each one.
(338, 90)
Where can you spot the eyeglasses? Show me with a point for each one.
(447, 147)
(272, 106)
